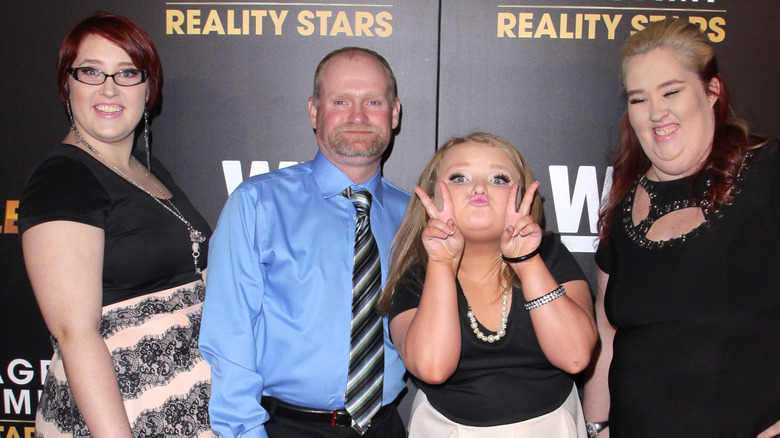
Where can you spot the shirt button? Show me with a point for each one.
(344, 395)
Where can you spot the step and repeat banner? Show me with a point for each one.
(543, 74)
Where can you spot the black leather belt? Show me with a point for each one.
(336, 418)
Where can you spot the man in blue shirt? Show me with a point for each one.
(278, 310)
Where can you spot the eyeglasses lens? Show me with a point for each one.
(124, 78)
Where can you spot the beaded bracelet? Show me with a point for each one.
(546, 298)
(521, 258)
(594, 429)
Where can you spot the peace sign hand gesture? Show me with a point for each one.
(442, 238)
(521, 234)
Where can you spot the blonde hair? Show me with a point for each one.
(688, 42)
(408, 250)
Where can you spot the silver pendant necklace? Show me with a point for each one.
(196, 237)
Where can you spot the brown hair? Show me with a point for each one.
(731, 135)
(408, 250)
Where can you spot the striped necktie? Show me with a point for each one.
(366, 352)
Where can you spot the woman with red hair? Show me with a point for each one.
(115, 253)
(688, 303)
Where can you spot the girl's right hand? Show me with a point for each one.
(442, 238)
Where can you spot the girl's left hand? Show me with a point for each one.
(521, 234)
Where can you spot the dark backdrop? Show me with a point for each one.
(543, 74)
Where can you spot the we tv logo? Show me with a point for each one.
(234, 177)
(570, 204)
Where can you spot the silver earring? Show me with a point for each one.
(70, 114)
(72, 123)
(146, 140)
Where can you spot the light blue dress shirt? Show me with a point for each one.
(276, 320)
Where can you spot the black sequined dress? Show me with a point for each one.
(697, 348)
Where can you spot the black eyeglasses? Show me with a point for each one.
(93, 76)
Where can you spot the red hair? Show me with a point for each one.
(730, 143)
(126, 34)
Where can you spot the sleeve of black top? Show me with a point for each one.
(63, 189)
(407, 293)
(559, 260)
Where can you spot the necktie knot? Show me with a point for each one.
(361, 199)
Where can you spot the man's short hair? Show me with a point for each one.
(351, 53)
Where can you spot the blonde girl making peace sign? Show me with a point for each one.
(491, 315)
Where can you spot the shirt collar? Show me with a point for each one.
(331, 180)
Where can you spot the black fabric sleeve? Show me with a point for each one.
(407, 293)
(559, 260)
(63, 189)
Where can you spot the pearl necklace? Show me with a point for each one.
(501, 330)
(196, 237)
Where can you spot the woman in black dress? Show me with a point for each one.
(688, 298)
(115, 253)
